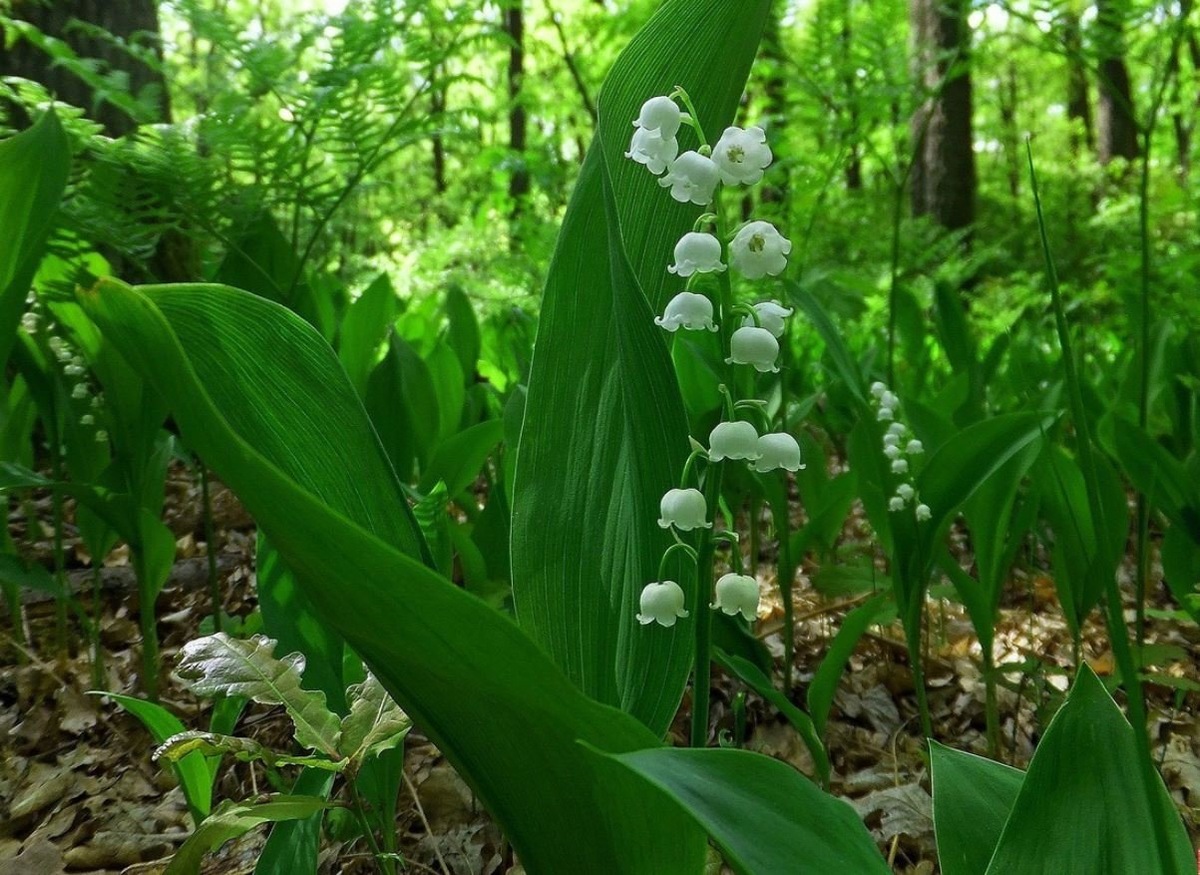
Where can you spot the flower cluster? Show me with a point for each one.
(898, 445)
(755, 250)
(74, 366)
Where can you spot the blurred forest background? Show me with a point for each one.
(438, 142)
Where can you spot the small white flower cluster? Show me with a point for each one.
(756, 250)
(897, 445)
(75, 369)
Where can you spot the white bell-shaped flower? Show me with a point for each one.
(685, 509)
(692, 178)
(662, 603)
(891, 440)
(649, 147)
(733, 440)
(778, 450)
(885, 414)
(878, 388)
(914, 448)
(770, 316)
(759, 250)
(660, 114)
(899, 466)
(905, 491)
(754, 346)
(897, 428)
(923, 513)
(895, 503)
(892, 451)
(737, 594)
(889, 399)
(687, 310)
(742, 155)
(697, 252)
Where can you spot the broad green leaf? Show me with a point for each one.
(1158, 475)
(967, 460)
(292, 847)
(1083, 806)
(33, 174)
(763, 815)
(433, 516)
(605, 434)
(19, 572)
(232, 819)
(364, 330)
(217, 665)
(375, 722)
(194, 774)
(246, 750)
(449, 389)
(463, 331)
(972, 798)
(458, 461)
(276, 400)
(491, 700)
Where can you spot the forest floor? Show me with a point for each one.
(79, 792)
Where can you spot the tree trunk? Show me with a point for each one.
(133, 21)
(1118, 135)
(943, 176)
(775, 94)
(1079, 108)
(518, 184)
(854, 177)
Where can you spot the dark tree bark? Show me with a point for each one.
(943, 177)
(1182, 123)
(1079, 108)
(514, 26)
(437, 108)
(854, 177)
(132, 21)
(1117, 129)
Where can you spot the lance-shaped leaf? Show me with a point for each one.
(247, 750)
(375, 722)
(219, 665)
(605, 433)
(232, 819)
(33, 174)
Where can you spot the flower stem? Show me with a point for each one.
(694, 116)
(702, 673)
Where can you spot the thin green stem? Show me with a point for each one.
(384, 862)
(98, 682)
(148, 624)
(702, 672)
(210, 548)
(991, 706)
(677, 546)
(694, 123)
(60, 576)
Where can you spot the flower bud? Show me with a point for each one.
(687, 310)
(662, 603)
(754, 346)
(737, 593)
(649, 147)
(685, 509)
(697, 252)
(660, 114)
(692, 178)
(733, 440)
(770, 316)
(778, 450)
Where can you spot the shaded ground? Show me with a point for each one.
(79, 793)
